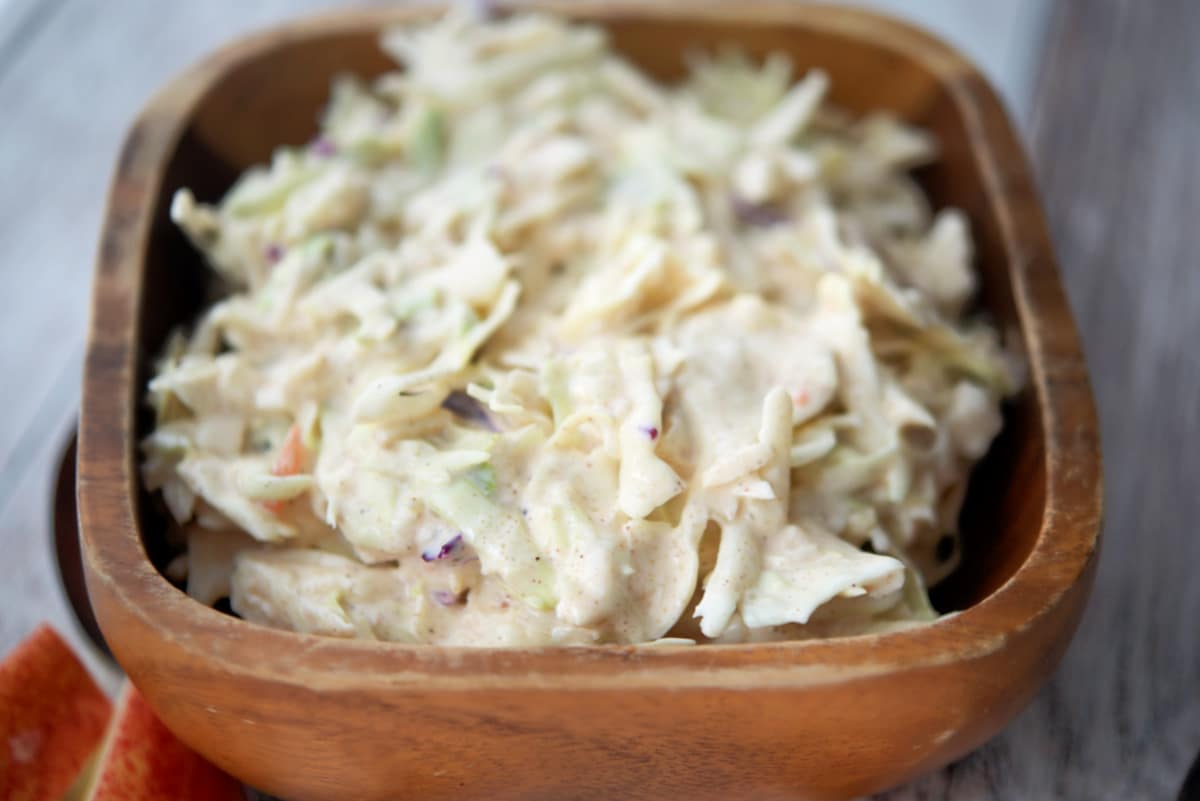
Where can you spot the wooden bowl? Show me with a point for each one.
(309, 717)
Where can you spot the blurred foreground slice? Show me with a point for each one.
(54, 745)
(52, 717)
(142, 761)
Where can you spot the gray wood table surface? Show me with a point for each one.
(1108, 96)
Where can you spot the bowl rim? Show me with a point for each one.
(1062, 554)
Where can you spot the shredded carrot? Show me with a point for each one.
(289, 462)
(292, 455)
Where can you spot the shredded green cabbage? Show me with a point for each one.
(525, 347)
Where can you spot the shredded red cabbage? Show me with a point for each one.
(759, 214)
(323, 146)
(460, 404)
(447, 598)
(448, 548)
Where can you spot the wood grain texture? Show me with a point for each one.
(73, 73)
(1114, 131)
(815, 719)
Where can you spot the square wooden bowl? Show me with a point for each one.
(309, 718)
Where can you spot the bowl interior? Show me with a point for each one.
(274, 95)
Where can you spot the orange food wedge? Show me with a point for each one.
(142, 761)
(52, 717)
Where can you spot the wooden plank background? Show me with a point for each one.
(1108, 95)
(1113, 128)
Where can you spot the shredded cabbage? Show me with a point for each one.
(526, 348)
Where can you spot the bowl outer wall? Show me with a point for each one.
(310, 717)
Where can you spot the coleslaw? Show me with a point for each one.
(526, 348)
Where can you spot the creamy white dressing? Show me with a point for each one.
(526, 348)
